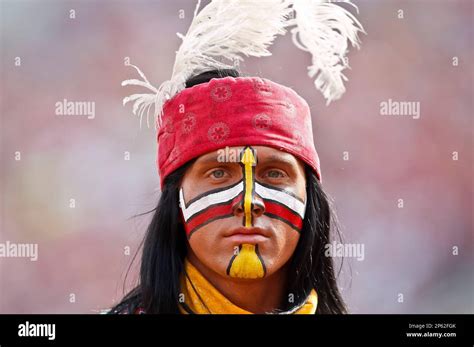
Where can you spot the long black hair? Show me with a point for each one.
(164, 248)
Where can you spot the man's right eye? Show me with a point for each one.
(218, 174)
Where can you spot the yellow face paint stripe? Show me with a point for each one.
(249, 161)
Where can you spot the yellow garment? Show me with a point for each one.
(201, 297)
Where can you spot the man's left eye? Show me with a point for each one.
(275, 174)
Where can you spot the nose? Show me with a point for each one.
(258, 206)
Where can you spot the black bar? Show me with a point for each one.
(158, 330)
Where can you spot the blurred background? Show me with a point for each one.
(79, 181)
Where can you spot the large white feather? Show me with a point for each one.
(324, 29)
(225, 31)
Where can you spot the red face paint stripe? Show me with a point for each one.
(210, 214)
(273, 209)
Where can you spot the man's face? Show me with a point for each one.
(243, 209)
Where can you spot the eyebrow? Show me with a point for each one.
(212, 159)
(283, 159)
(207, 159)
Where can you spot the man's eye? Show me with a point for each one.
(275, 174)
(219, 173)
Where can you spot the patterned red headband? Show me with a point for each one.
(234, 112)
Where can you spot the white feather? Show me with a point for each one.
(142, 101)
(225, 31)
(220, 34)
(324, 29)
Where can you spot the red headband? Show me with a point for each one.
(234, 112)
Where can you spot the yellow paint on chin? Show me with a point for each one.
(247, 263)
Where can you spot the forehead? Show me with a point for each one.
(263, 154)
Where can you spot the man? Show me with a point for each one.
(242, 220)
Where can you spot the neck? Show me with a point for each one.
(257, 296)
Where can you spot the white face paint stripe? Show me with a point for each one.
(280, 196)
(208, 200)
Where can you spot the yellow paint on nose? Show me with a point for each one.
(249, 161)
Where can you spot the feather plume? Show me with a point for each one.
(226, 31)
(323, 29)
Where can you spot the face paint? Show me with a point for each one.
(217, 203)
(247, 263)
(281, 204)
(248, 162)
(210, 206)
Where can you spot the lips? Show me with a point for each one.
(248, 235)
(248, 231)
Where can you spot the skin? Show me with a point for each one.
(210, 248)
